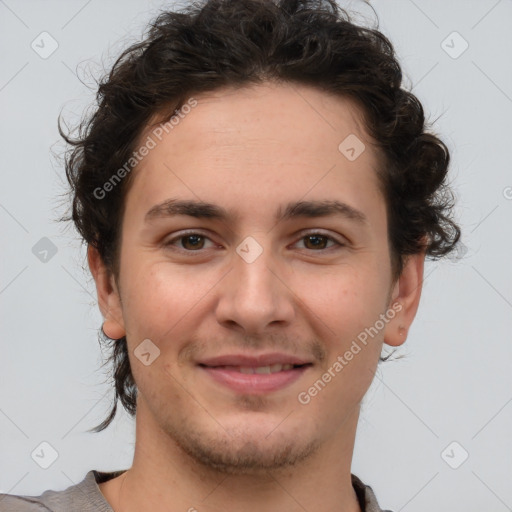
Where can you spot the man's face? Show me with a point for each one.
(250, 285)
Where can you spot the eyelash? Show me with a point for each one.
(169, 243)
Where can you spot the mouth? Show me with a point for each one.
(260, 370)
(253, 379)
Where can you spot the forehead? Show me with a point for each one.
(269, 113)
(236, 146)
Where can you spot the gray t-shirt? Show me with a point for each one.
(87, 497)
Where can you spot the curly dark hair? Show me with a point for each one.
(216, 43)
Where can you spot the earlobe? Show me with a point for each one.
(108, 296)
(406, 292)
(113, 329)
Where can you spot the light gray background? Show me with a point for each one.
(454, 384)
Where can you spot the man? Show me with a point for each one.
(258, 195)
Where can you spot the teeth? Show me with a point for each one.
(265, 369)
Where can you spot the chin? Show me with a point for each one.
(241, 450)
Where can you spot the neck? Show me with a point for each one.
(164, 477)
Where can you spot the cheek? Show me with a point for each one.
(152, 291)
(348, 297)
(345, 308)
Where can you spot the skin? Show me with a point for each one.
(199, 445)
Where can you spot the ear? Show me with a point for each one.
(108, 295)
(406, 293)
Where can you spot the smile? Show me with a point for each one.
(255, 379)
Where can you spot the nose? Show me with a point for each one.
(255, 295)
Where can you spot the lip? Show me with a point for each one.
(255, 383)
(253, 360)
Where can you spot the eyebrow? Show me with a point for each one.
(298, 209)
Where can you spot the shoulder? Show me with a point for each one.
(12, 503)
(84, 496)
(366, 496)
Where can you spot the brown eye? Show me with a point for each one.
(187, 242)
(315, 241)
(191, 242)
(318, 242)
